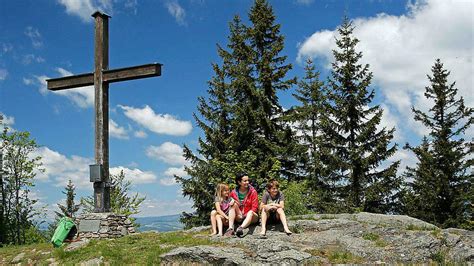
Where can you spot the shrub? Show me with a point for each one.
(296, 199)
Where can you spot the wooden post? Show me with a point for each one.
(101, 78)
(101, 62)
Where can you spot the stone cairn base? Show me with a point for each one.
(103, 225)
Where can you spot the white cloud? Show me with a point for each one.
(167, 152)
(406, 158)
(402, 49)
(131, 5)
(28, 81)
(158, 123)
(6, 121)
(85, 8)
(30, 58)
(160, 207)
(171, 172)
(389, 121)
(140, 134)
(136, 176)
(83, 97)
(304, 2)
(6, 47)
(176, 11)
(117, 131)
(59, 168)
(169, 181)
(3, 74)
(35, 36)
(179, 171)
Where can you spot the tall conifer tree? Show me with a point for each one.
(441, 190)
(242, 118)
(275, 142)
(217, 148)
(306, 119)
(354, 147)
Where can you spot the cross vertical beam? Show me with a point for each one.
(101, 62)
(100, 78)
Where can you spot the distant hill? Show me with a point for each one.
(160, 223)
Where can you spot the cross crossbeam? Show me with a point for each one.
(110, 76)
(100, 78)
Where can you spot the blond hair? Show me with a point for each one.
(219, 189)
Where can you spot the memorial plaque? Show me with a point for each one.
(89, 226)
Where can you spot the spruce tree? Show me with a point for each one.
(70, 209)
(440, 185)
(306, 117)
(242, 121)
(275, 143)
(354, 149)
(216, 112)
(121, 201)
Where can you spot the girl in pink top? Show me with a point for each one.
(223, 204)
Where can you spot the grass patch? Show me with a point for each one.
(303, 217)
(412, 227)
(375, 238)
(312, 217)
(344, 257)
(439, 257)
(336, 255)
(139, 249)
(436, 233)
(328, 217)
(371, 236)
(381, 243)
(297, 217)
(297, 229)
(34, 252)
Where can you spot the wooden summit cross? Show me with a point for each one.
(100, 78)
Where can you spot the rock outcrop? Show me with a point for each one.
(339, 238)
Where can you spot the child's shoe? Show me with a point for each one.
(239, 232)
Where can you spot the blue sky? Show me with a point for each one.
(152, 118)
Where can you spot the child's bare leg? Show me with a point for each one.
(250, 219)
(264, 222)
(232, 217)
(282, 216)
(219, 224)
(213, 222)
(238, 213)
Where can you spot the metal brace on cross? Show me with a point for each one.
(100, 78)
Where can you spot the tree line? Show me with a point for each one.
(330, 148)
